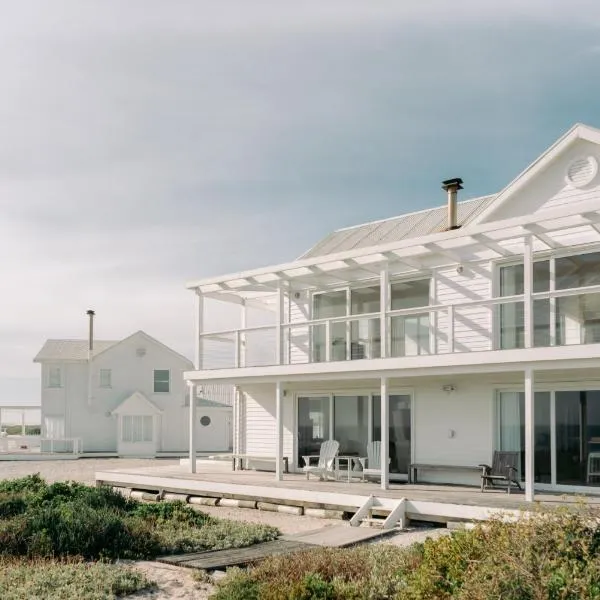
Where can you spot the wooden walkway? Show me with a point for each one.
(235, 557)
(331, 537)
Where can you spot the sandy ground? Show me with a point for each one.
(177, 582)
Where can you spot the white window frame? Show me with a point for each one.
(144, 427)
(107, 382)
(426, 275)
(52, 382)
(370, 393)
(154, 381)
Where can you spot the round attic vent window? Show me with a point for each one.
(140, 352)
(582, 171)
(205, 421)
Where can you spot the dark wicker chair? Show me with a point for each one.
(503, 472)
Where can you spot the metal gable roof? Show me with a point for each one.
(70, 349)
(411, 225)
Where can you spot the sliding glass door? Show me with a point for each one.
(566, 435)
(354, 420)
(400, 431)
(313, 425)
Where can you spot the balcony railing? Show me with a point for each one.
(560, 317)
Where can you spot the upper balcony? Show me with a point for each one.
(435, 296)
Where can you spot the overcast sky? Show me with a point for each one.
(147, 143)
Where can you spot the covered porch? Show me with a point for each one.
(547, 411)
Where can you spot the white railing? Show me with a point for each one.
(474, 325)
(61, 445)
(19, 443)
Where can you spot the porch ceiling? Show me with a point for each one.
(489, 241)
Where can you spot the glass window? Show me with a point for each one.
(511, 430)
(365, 300)
(399, 430)
(162, 379)
(105, 378)
(313, 425)
(409, 334)
(327, 306)
(578, 438)
(351, 424)
(578, 271)
(409, 294)
(578, 319)
(512, 315)
(137, 428)
(54, 377)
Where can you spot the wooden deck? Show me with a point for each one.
(431, 503)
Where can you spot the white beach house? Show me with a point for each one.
(447, 334)
(125, 397)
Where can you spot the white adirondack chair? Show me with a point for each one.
(326, 459)
(371, 464)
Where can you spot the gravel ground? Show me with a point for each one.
(82, 469)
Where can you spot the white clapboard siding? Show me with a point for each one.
(473, 325)
(260, 425)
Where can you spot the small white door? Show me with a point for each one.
(138, 435)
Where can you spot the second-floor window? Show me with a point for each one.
(354, 337)
(568, 320)
(162, 381)
(105, 378)
(54, 377)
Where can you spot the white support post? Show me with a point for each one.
(527, 290)
(529, 434)
(433, 316)
(192, 426)
(327, 341)
(22, 422)
(552, 301)
(243, 337)
(385, 435)
(199, 346)
(384, 301)
(451, 329)
(279, 325)
(279, 432)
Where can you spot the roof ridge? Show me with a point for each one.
(408, 214)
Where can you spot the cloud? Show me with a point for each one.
(147, 143)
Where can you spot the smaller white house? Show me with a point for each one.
(125, 397)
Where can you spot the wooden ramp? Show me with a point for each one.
(331, 537)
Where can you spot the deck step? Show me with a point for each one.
(373, 522)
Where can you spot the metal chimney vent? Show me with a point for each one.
(451, 186)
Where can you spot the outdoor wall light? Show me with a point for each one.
(448, 388)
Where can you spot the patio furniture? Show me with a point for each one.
(593, 466)
(414, 468)
(326, 460)
(237, 460)
(503, 472)
(350, 466)
(371, 464)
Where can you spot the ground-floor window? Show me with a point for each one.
(137, 428)
(566, 434)
(354, 421)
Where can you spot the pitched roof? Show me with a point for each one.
(410, 225)
(71, 349)
(77, 349)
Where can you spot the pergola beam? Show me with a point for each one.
(492, 245)
(542, 235)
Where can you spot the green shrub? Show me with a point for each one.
(71, 519)
(545, 556)
(62, 580)
(30, 484)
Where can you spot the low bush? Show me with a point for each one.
(71, 519)
(66, 580)
(544, 556)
